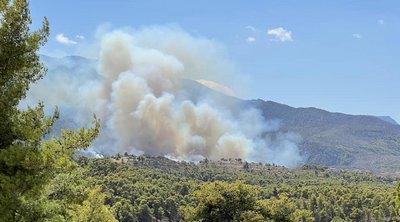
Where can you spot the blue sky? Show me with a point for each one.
(341, 56)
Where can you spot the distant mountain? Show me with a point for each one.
(70, 65)
(338, 140)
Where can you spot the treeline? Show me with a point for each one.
(158, 189)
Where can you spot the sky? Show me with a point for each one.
(341, 56)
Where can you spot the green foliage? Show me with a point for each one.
(302, 216)
(23, 167)
(20, 64)
(221, 201)
(139, 187)
(39, 180)
(93, 209)
(279, 208)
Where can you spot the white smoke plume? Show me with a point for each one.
(137, 96)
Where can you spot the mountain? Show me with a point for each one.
(337, 140)
(70, 65)
(388, 119)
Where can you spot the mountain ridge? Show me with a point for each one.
(337, 139)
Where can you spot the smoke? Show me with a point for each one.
(138, 97)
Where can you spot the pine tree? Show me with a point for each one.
(28, 164)
(93, 209)
(20, 65)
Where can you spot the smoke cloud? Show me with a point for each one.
(137, 94)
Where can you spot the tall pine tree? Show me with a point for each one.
(28, 164)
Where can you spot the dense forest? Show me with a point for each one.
(156, 188)
(45, 179)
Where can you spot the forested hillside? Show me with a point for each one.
(156, 188)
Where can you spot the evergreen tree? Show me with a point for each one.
(221, 201)
(93, 209)
(20, 66)
(28, 164)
